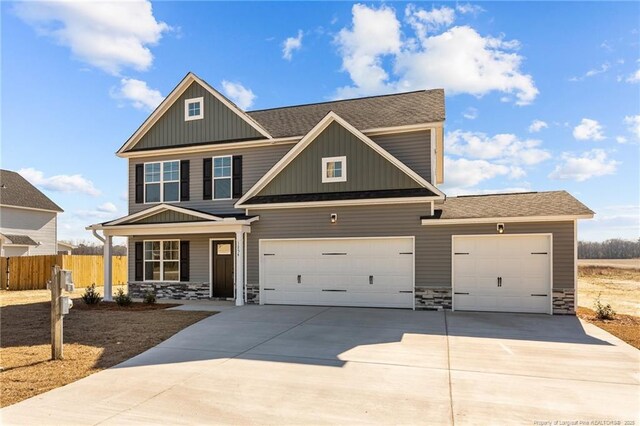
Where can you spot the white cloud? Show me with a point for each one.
(242, 96)
(621, 139)
(589, 164)
(463, 173)
(138, 93)
(107, 207)
(470, 113)
(475, 191)
(290, 45)
(459, 59)
(107, 35)
(634, 78)
(633, 121)
(424, 22)
(537, 125)
(469, 8)
(593, 72)
(502, 148)
(374, 33)
(588, 129)
(60, 183)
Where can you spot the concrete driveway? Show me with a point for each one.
(317, 365)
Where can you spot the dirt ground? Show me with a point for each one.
(95, 339)
(619, 287)
(614, 263)
(34, 296)
(624, 327)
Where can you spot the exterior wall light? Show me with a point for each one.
(334, 217)
(500, 228)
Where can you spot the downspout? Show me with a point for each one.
(98, 236)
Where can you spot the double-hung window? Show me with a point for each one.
(222, 178)
(162, 260)
(162, 182)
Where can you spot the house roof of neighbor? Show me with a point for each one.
(17, 191)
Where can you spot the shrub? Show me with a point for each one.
(91, 296)
(122, 299)
(603, 312)
(149, 298)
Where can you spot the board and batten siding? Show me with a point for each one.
(412, 148)
(219, 124)
(198, 253)
(170, 217)
(366, 170)
(255, 163)
(41, 226)
(432, 243)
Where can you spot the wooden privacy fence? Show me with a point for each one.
(33, 272)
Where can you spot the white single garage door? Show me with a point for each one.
(507, 273)
(376, 272)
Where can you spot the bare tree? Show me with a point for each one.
(610, 249)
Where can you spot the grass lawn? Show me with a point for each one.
(617, 285)
(95, 338)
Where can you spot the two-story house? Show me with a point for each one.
(28, 218)
(335, 203)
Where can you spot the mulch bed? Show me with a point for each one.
(624, 327)
(95, 338)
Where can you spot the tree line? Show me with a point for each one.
(610, 249)
(91, 248)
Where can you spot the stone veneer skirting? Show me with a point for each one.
(170, 290)
(433, 298)
(253, 294)
(564, 301)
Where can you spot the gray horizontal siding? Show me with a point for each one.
(198, 253)
(219, 123)
(433, 243)
(40, 226)
(255, 163)
(412, 148)
(366, 170)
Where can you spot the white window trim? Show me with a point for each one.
(161, 260)
(186, 109)
(162, 182)
(213, 178)
(327, 160)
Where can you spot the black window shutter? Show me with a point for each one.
(184, 260)
(184, 180)
(139, 183)
(207, 179)
(139, 261)
(237, 176)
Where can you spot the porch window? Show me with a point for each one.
(162, 260)
(222, 178)
(162, 182)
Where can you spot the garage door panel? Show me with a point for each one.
(338, 272)
(509, 273)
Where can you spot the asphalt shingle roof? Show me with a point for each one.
(552, 203)
(21, 239)
(424, 106)
(17, 191)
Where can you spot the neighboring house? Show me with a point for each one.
(28, 218)
(334, 203)
(65, 248)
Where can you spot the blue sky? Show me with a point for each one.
(540, 96)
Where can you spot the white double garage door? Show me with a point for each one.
(489, 273)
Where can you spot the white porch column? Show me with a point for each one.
(239, 271)
(108, 285)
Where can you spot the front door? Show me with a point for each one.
(222, 273)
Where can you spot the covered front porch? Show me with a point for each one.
(180, 254)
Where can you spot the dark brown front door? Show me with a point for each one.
(222, 268)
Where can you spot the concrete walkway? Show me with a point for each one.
(318, 365)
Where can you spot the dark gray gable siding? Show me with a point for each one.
(170, 216)
(412, 148)
(219, 124)
(366, 169)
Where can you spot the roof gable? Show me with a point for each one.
(164, 213)
(167, 128)
(16, 191)
(369, 166)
